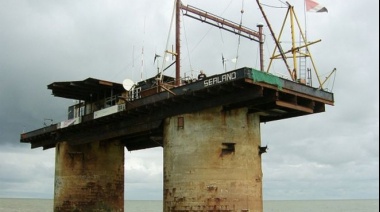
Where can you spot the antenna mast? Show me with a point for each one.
(178, 44)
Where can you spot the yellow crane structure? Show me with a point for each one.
(295, 52)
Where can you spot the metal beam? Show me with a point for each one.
(222, 23)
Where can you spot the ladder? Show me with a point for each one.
(302, 63)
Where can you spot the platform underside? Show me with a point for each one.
(140, 125)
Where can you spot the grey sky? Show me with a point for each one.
(332, 155)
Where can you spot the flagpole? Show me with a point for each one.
(305, 14)
(305, 41)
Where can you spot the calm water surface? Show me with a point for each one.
(43, 205)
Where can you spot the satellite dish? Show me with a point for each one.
(128, 84)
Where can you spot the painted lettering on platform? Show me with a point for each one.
(219, 79)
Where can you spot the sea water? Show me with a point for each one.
(44, 205)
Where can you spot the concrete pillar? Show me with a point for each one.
(89, 177)
(212, 162)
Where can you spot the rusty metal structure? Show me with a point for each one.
(137, 124)
(209, 130)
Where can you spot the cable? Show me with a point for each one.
(332, 87)
(167, 41)
(187, 44)
(241, 23)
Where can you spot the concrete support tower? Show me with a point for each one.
(212, 161)
(89, 177)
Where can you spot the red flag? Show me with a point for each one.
(312, 6)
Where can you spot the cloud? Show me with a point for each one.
(25, 173)
(322, 156)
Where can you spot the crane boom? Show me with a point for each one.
(222, 23)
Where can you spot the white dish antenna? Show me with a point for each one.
(128, 84)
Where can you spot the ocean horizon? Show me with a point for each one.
(336, 205)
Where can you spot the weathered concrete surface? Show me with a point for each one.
(89, 177)
(212, 162)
